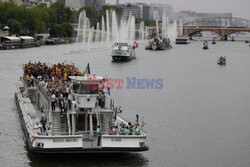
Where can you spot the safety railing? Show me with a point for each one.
(26, 117)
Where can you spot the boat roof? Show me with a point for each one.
(86, 78)
(182, 38)
(11, 38)
(26, 37)
(121, 43)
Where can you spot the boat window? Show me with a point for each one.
(88, 89)
(76, 87)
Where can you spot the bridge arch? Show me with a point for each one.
(199, 31)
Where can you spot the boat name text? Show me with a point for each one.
(63, 140)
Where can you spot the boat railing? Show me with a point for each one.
(119, 51)
(26, 117)
(122, 120)
(43, 91)
(41, 88)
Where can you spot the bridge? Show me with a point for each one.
(223, 26)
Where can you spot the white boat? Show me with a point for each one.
(85, 125)
(182, 40)
(122, 51)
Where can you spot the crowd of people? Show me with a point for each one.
(126, 129)
(43, 127)
(56, 81)
(54, 78)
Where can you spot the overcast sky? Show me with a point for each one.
(239, 8)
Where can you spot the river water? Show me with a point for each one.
(200, 117)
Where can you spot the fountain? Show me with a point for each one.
(141, 32)
(103, 29)
(107, 27)
(157, 28)
(180, 28)
(112, 29)
(169, 30)
(164, 26)
(146, 33)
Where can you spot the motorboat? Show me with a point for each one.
(221, 60)
(123, 51)
(182, 40)
(205, 45)
(213, 41)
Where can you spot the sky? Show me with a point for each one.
(239, 8)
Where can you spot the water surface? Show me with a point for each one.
(201, 117)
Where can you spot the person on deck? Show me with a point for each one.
(99, 134)
(43, 122)
(53, 102)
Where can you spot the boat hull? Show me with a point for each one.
(73, 150)
(119, 58)
(182, 42)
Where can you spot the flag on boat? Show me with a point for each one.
(87, 70)
(108, 90)
(137, 119)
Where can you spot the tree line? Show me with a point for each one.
(55, 20)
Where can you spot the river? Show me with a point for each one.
(200, 117)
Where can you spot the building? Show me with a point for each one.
(73, 4)
(82, 3)
(132, 9)
(45, 3)
(187, 16)
(146, 12)
(157, 11)
(96, 4)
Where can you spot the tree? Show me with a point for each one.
(15, 26)
(67, 29)
(149, 22)
(55, 30)
(63, 14)
(119, 12)
(90, 13)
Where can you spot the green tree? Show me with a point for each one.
(149, 22)
(63, 14)
(90, 13)
(55, 30)
(15, 26)
(66, 29)
(119, 12)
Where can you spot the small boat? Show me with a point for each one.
(50, 41)
(182, 40)
(122, 51)
(11, 42)
(221, 60)
(233, 38)
(158, 44)
(213, 41)
(205, 45)
(246, 41)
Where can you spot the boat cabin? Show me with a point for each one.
(86, 90)
(9, 42)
